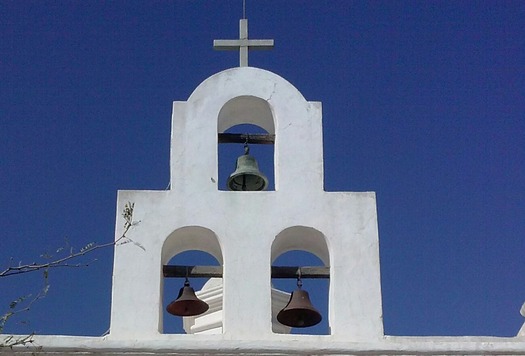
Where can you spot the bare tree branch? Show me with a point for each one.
(15, 307)
(63, 261)
(11, 340)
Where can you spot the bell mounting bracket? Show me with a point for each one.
(260, 139)
(174, 271)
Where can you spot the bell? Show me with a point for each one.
(299, 312)
(187, 303)
(247, 176)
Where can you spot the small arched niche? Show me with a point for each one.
(246, 120)
(301, 246)
(192, 246)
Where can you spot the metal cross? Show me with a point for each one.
(243, 44)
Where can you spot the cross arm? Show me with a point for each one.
(230, 45)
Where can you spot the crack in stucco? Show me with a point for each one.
(273, 92)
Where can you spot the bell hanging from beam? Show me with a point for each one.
(247, 176)
(187, 303)
(299, 312)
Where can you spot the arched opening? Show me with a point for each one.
(185, 248)
(245, 120)
(202, 286)
(229, 152)
(246, 109)
(301, 246)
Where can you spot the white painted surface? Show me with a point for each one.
(522, 330)
(211, 321)
(295, 344)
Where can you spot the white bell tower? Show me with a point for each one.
(194, 214)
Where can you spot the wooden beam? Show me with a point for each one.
(306, 272)
(192, 271)
(173, 271)
(261, 139)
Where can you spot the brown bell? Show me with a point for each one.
(299, 312)
(187, 303)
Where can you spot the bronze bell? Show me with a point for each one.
(187, 303)
(299, 312)
(247, 176)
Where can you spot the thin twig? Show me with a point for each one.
(61, 262)
(12, 270)
(11, 340)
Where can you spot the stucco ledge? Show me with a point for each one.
(292, 344)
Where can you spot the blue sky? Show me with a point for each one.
(423, 103)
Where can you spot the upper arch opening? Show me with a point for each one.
(246, 109)
(301, 238)
(191, 238)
